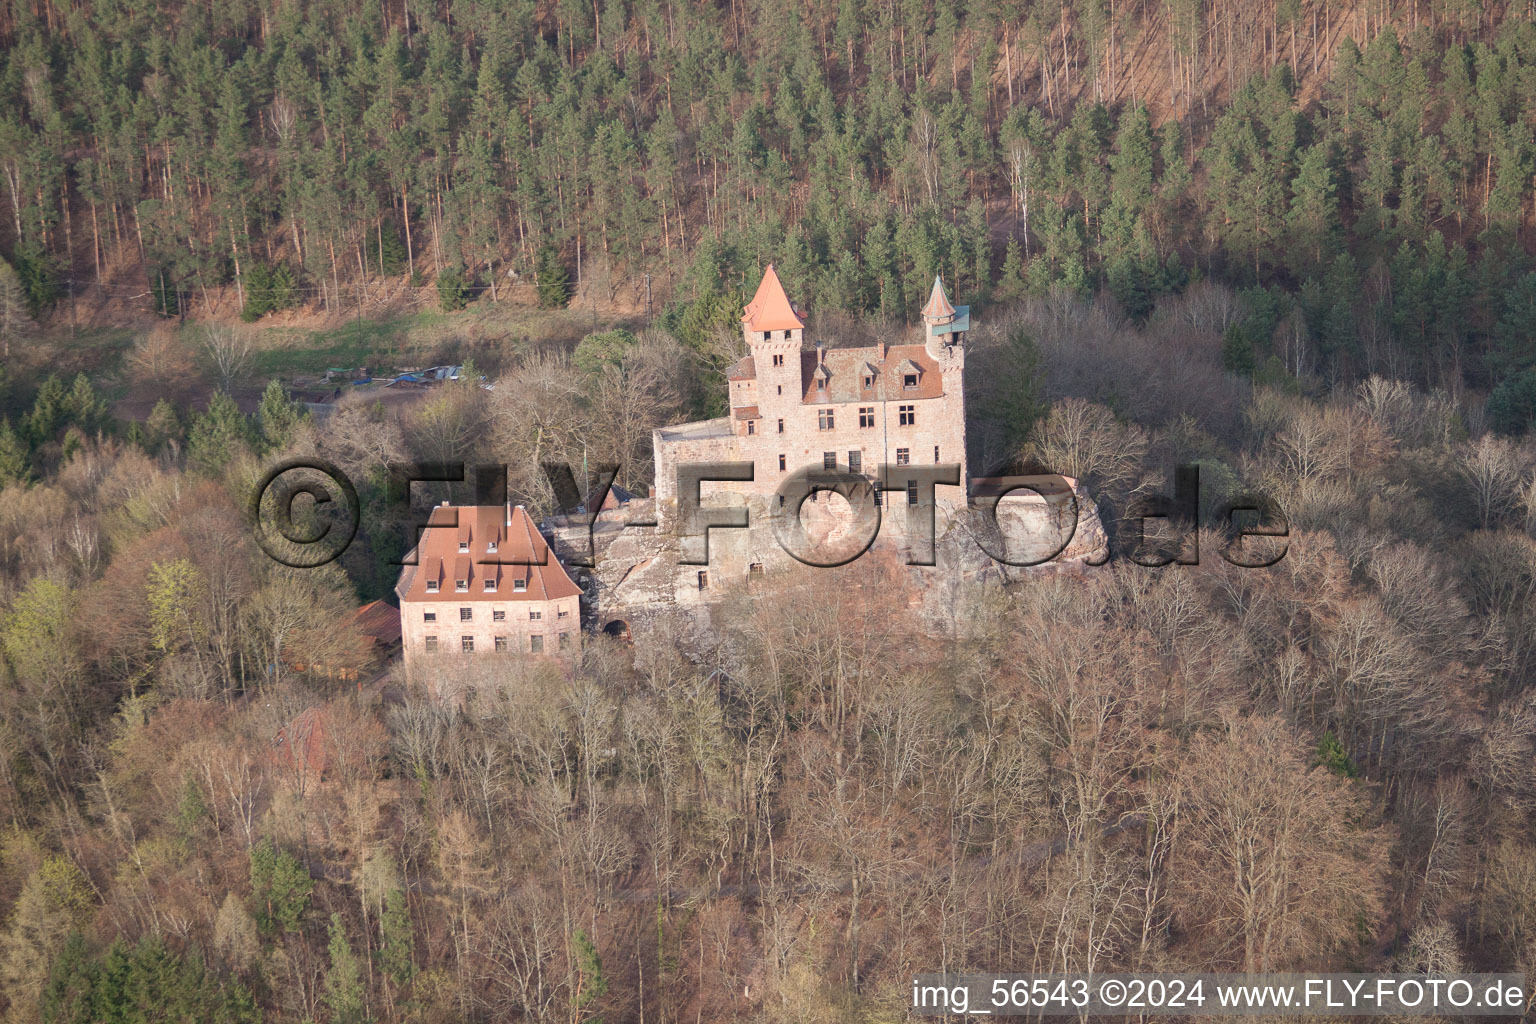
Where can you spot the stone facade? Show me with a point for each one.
(485, 582)
(793, 407)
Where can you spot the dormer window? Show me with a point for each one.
(463, 545)
(431, 586)
(490, 586)
(869, 381)
(821, 384)
(461, 586)
(909, 380)
(490, 548)
(519, 586)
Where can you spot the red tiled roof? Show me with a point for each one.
(849, 366)
(748, 412)
(379, 621)
(939, 310)
(770, 309)
(743, 369)
(521, 553)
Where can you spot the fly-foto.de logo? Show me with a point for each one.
(305, 512)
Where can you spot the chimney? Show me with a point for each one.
(821, 353)
(509, 515)
(880, 348)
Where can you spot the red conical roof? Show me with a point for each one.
(770, 308)
(938, 310)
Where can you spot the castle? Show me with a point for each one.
(792, 408)
(853, 409)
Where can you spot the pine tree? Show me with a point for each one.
(279, 417)
(161, 428)
(15, 319)
(343, 980)
(15, 459)
(280, 887)
(553, 282)
(397, 950)
(217, 436)
(1010, 280)
(591, 984)
(84, 408)
(452, 290)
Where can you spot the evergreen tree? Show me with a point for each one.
(279, 417)
(452, 290)
(217, 436)
(82, 407)
(397, 949)
(1010, 280)
(1512, 405)
(15, 460)
(280, 888)
(553, 282)
(343, 979)
(162, 427)
(592, 983)
(1516, 328)
(15, 318)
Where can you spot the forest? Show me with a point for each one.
(1367, 164)
(1286, 241)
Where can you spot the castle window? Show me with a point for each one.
(498, 616)
(903, 456)
(466, 614)
(755, 569)
(829, 460)
(703, 579)
(869, 380)
(781, 389)
(467, 644)
(563, 613)
(778, 358)
(781, 430)
(786, 335)
(909, 381)
(565, 641)
(911, 492)
(429, 644)
(765, 337)
(935, 453)
(501, 645)
(821, 384)
(429, 616)
(536, 644)
(824, 419)
(908, 415)
(866, 416)
(535, 615)
(751, 426)
(781, 463)
(855, 462)
(431, 586)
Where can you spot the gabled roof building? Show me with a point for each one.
(485, 581)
